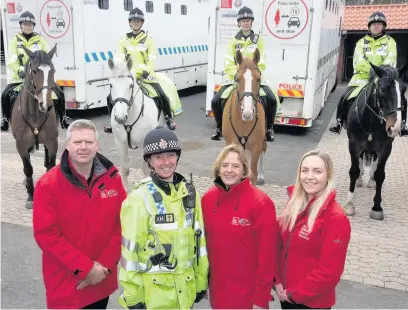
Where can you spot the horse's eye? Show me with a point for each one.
(35, 71)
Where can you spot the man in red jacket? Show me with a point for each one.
(76, 223)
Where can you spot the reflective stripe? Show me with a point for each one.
(129, 265)
(137, 266)
(166, 226)
(129, 244)
(203, 251)
(159, 205)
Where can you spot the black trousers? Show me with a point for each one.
(342, 105)
(288, 305)
(101, 304)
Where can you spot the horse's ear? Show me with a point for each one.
(238, 57)
(257, 56)
(129, 64)
(111, 64)
(378, 71)
(28, 52)
(52, 51)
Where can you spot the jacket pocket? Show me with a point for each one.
(160, 291)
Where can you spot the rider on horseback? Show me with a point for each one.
(17, 59)
(379, 49)
(140, 47)
(246, 41)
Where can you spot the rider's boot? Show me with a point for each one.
(170, 123)
(4, 124)
(336, 127)
(215, 105)
(65, 122)
(108, 128)
(270, 134)
(404, 129)
(216, 134)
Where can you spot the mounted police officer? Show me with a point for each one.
(246, 41)
(17, 59)
(164, 261)
(378, 48)
(139, 46)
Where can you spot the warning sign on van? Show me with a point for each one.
(55, 19)
(287, 19)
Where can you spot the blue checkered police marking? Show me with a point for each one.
(162, 51)
(159, 205)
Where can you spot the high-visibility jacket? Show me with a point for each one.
(155, 222)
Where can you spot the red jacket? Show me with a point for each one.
(242, 234)
(75, 225)
(311, 264)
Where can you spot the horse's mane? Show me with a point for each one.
(120, 68)
(41, 58)
(392, 73)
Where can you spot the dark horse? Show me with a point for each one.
(373, 121)
(33, 118)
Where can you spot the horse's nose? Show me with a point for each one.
(121, 120)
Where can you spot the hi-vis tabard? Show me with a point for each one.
(163, 246)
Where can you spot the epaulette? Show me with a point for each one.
(144, 181)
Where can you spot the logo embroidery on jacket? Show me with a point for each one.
(304, 234)
(240, 221)
(109, 193)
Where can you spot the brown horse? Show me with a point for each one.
(33, 118)
(244, 116)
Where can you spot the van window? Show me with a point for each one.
(128, 5)
(103, 4)
(167, 8)
(149, 6)
(183, 9)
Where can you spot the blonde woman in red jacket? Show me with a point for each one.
(315, 233)
(241, 234)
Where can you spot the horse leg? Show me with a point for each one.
(359, 182)
(371, 181)
(52, 149)
(261, 178)
(354, 173)
(28, 171)
(124, 164)
(379, 177)
(255, 154)
(46, 158)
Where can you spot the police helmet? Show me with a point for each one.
(377, 17)
(27, 17)
(160, 140)
(136, 14)
(245, 13)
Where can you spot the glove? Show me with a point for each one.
(21, 75)
(139, 305)
(145, 74)
(200, 296)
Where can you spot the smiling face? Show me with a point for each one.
(27, 27)
(245, 24)
(164, 164)
(231, 169)
(313, 175)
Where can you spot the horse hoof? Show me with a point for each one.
(29, 204)
(260, 182)
(371, 184)
(359, 183)
(377, 215)
(349, 210)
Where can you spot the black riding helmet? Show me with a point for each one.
(160, 140)
(27, 17)
(136, 14)
(377, 17)
(245, 13)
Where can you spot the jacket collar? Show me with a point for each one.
(27, 38)
(237, 188)
(131, 35)
(326, 203)
(100, 166)
(240, 35)
(165, 186)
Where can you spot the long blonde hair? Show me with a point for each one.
(224, 152)
(299, 196)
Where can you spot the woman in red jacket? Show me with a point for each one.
(315, 233)
(241, 234)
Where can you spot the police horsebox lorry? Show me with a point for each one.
(88, 31)
(302, 42)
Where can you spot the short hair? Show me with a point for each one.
(81, 124)
(224, 152)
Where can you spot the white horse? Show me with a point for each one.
(133, 114)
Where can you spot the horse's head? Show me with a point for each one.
(40, 74)
(122, 86)
(249, 83)
(389, 91)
